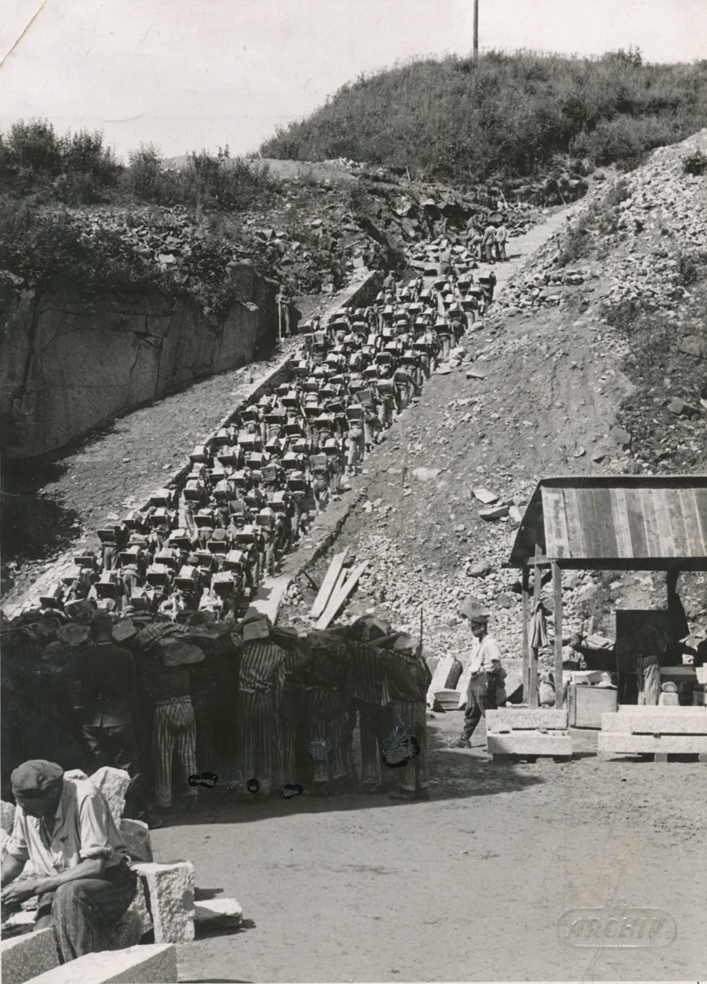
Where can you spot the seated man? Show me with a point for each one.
(82, 876)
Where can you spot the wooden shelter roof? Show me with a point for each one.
(616, 523)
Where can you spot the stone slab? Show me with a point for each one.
(152, 964)
(677, 724)
(525, 719)
(657, 709)
(25, 957)
(628, 744)
(529, 743)
(170, 889)
(218, 914)
(136, 835)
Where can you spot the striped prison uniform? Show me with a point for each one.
(368, 685)
(292, 716)
(328, 735)
(174, 731)
(261, 678)
(409, 678)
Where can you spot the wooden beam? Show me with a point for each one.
(533, 668)
(340, 595)
(557, 586)
(526, 631)
(329, 583)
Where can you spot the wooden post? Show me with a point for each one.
(526, 632)
(533, 668)
(557, 587)
(476, 30)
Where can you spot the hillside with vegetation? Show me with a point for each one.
(507, 118)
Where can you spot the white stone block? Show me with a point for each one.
(517, 719)
(153, 964)
(667, 724)
(7, 816)
(218, 914)
(113, 783)
(24, 957)
(628, 744)
(170, 889)
(136, 835)
(529, 743)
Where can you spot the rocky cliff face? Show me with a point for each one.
(67, 365)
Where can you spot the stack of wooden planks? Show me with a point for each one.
(337, 585)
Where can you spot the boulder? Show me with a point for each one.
(218, 914)
(113, 783)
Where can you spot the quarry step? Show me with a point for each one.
(150, 964)
(632, 744)
(25, 957)
(526, 719)
(529, 743)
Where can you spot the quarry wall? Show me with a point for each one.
(68, 364)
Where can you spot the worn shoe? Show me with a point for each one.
(459, 743)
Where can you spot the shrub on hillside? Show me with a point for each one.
(507, 115)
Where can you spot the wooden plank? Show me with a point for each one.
(662, 515)
(636, 523)
(329, 583)
(557, 587)
(526, 632)
(621, 527)
(556, 541)
(574, 526)
(651, 522)
(533, 666)
(590, 521)
(340, 595)
(696, 546)
(676, 518)
(605, 523)
(700, 497)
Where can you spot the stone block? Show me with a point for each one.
(516, 719)
(25, 957)
(7, 816)
(529, 743)
(170, 890)
(113, 783)
(123, 631)
(666, 724)
(628, 744)
(218, 914)
(136, 835)
(153, 964)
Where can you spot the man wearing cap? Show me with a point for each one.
(82, 877)
(487, 674)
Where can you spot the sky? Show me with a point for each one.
(189, 75)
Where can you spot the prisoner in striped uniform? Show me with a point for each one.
(368, 688)
(328, 739)
(409, 678)
(260, 683)
(173, 729)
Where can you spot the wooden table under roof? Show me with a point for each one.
(617, 523)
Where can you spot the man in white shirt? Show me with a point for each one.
(487, 674)
(81, 872)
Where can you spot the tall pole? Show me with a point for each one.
(476, 30)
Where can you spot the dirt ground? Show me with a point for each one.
(468, 886)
